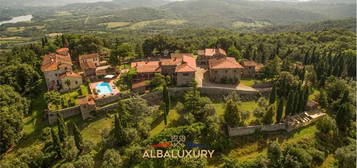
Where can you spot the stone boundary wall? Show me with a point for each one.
(65, 113)
(241, 131)
(111, 99)
(248, 130)
(218, 93)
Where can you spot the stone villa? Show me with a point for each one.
(209, 53)
(180, 66)
(251, 69)
(93, 68)
(224, 70)
(58, 72)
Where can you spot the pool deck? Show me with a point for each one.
(112, 85)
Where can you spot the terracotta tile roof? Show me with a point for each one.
(89, 56)
(180, 55)
(139, 84)
(70, 74)
(62, 51)
(87, 65)
(214, 51)
(249, 63)
(104, 70)
(170, 62)
(147, 66)
(188, 64)
(259, 67)
(89, 99)
(52, 62)
(224, 63)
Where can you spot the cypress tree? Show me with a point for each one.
(166, 98)
(62, 128)
(119, 131)
(279, 111)
(323, 98)
(344, 116)
(268, 117)
(289, 105)
(301, 106)
(46, 40)
(56, 143)
(272, 95)
(232, 115)
(345, 98)
(77, 138)
(43, 42)
(296, 102)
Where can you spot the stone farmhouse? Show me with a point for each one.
(209, 53)
(224, 70)
(93, 68)
(58, 72)
(180, 66)
(251, 69)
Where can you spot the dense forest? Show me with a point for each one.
(296, 62)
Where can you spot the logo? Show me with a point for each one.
(178, 147)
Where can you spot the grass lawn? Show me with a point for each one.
(115, 24)
(244, 106)
(92, 131)
(314, 94)
(173, 115)
(15, 29)
(330, 162)
(248, 82)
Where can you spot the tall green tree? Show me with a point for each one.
(269, 115)
(234, 52)
(119, 54)
(12, 109)
(119, 131)
(344, 117)
(275, 154)
(166, 98)
(56, 144)
(289, 104)
(78, 138)
(272, 97)
(62, 128)
(232, 115)
(280, 110)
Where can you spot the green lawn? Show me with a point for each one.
(93, 131)
(247, 82)
(173, 115)
(244, 106)
(115, 24)
(314, 94)
(330, 162)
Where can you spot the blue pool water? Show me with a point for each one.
(103, 88)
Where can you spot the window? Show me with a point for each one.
(185, 74)
(76, 82)
(226, 71)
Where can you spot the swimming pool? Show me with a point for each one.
(103, 88)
